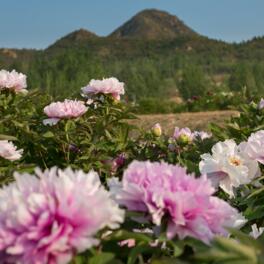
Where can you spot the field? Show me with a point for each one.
(195, 121)
(101, 196)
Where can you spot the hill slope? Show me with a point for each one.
(75, 38)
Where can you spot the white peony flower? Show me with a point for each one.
(201, 135)
(256, 232)
(255, 146)
(229, 166)
(261, 104)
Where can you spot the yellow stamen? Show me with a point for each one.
(235, 161)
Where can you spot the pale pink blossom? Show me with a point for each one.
(13, 80)
(106, 86)
(183, 134)
(50, 217)
(9, 151)
(163, 191)
(64, 110)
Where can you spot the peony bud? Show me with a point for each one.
(156, 130)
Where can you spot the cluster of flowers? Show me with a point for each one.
(56, 111)
(231, 165)
(184, 135)
(72, 108)
(16, 82)
(53, 215)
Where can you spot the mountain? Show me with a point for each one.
(76, 37)
(153, 24)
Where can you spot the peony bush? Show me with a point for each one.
(79, 184)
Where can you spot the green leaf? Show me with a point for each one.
(257, 192)
(102, 258)
(123, 235)
(7, 137)
(48, 134)
(230, 245)
(245, 239)
(70, 125)
(108, 135)
(138, 250)
(166, 260)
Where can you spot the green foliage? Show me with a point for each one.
(240, 249)
(159, 106)
(250, 120)
(243, 76)
(193, 82)
(211, 101)
(150, 68)
(96, 139)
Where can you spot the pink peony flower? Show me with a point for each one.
(254, 147)
(106, 86)
(261, 104)
(166, 191)
(183, 134)
(50, 217)
(63, 110)
(9, 151)
(13, 80)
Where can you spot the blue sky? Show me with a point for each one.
(38, 23)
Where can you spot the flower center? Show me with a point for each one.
(185, 138)
(235, 161)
